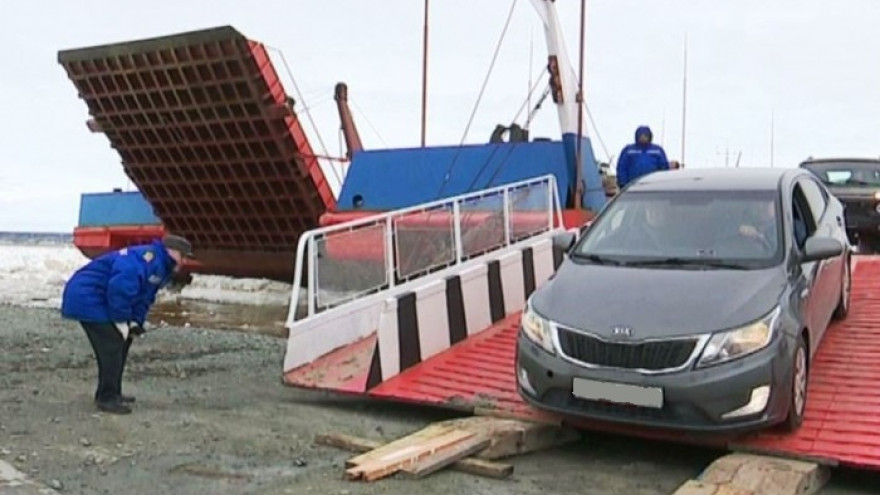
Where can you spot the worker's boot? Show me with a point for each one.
(113, 406)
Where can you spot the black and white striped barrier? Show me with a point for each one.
(416, 325)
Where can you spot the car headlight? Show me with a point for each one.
(537, 328)
(732, 344)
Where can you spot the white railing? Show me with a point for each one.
(347, 261)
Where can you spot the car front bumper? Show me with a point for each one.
(862, 217)
(692, 400)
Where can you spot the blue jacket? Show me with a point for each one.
(637, 160)
(119, 286)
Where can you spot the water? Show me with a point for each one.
(266, 320)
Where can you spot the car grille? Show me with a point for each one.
(652, 356)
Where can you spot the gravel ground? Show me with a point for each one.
(213, 417)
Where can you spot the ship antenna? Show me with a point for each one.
(425, 74)
(579, 188)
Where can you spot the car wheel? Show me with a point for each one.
(842, 308)
(800, 372)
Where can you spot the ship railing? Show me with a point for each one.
(345, 262)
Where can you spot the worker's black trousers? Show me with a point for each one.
(111, 351)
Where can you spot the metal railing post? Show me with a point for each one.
(506, 204)
(557, 205)
(313, 274)
(389, 251)
(456, 231)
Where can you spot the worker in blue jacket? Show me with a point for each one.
(110, 297)
(640, 158)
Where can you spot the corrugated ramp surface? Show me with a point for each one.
(842, 422)
(206, 132)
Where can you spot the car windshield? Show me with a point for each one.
(851, 174)
(735, 229)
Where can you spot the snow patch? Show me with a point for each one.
(214, 288)
(34, 276)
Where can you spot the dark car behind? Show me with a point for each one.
(856, 183)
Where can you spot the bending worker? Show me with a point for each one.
(640, 158)
(110, 297)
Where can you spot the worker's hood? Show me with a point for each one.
(644, 130)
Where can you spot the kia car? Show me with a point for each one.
(695, 301)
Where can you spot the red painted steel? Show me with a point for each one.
(344, 370)
(95, 241)
(206, 132)
(842, 423)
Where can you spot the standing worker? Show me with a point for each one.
(640, 158)
(110, 297)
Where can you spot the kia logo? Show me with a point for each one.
(622, 331)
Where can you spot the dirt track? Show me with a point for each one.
(213, 417)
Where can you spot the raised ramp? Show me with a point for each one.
(206, 132)
(842, 424)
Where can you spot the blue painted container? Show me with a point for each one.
(114, 209)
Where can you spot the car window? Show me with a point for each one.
(729, 226)
(815, 198)
(846, 173)
(803, 223)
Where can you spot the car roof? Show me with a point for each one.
(840, 160)
(715, 179)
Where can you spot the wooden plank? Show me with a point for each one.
(748, 474)
(447, 456)
(479, 467)
(512, 437)
(420, 436)
(485, 468)
(406, 455)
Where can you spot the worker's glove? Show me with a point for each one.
(137, 329)
(123, 328)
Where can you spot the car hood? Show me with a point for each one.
(657, 302)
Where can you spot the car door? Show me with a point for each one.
(827, 282)
(806, 279)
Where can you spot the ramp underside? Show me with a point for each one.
(842, 423)
(205, 131)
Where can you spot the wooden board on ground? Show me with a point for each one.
(408, 455)
(449, 443)
(748, 474)
(471, 465)
(512, 437)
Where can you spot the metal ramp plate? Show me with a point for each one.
(842, 424)
(206, 132)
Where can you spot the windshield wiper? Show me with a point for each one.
(687, 262)
(595, 258)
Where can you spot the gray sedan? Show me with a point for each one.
(695, 301)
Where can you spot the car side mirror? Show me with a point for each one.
(563, 241)
(821, 248)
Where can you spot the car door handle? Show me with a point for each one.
(839, 221)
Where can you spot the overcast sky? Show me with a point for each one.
(814, 64)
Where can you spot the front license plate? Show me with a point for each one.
(618, 393)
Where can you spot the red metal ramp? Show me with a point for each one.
(842, 424)
(206, 132)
